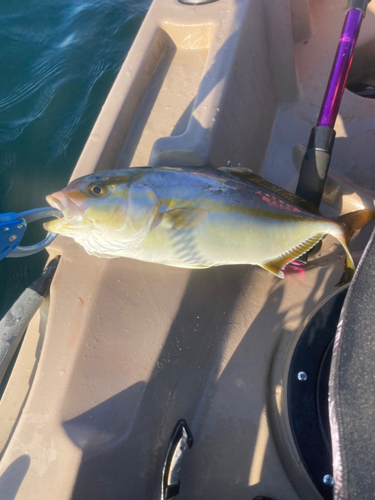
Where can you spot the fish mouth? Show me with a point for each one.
(69, 209)
(55, 203)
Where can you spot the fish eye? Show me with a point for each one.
(97, 189)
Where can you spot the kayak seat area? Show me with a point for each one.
(352, 387)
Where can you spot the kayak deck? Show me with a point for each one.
(124, 349)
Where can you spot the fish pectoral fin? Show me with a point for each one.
(276, 266)
(273, 268)
(184, 218)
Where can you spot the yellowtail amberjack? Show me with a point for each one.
(195, 218)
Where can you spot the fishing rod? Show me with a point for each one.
(315, 163)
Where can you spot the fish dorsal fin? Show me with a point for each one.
(276, 265)
(184, 218)
(248, 175)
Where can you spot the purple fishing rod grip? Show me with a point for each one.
(340, 68)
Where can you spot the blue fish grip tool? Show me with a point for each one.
(13, 226)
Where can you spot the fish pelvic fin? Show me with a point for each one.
(276, 266)
(350, 223)
(184, 218)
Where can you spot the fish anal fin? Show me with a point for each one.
(275, 266)
(184, 218)
(248, 175)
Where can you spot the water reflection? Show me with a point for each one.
(60, 60)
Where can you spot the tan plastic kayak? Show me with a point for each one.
(124, 349)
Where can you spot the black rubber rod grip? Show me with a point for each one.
(315, 164)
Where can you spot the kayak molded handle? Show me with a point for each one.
(181, 440)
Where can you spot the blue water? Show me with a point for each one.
(59, 59)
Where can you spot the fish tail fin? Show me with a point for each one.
(349, 263)
(353, 221)
(350, 223)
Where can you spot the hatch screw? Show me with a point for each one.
(6, 228)
(12, 238)
(20, 226)
(328, 480)
(302, 376)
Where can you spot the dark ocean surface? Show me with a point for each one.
(59, 59)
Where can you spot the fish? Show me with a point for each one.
(196, 218)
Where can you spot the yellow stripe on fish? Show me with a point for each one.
(195, 217)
